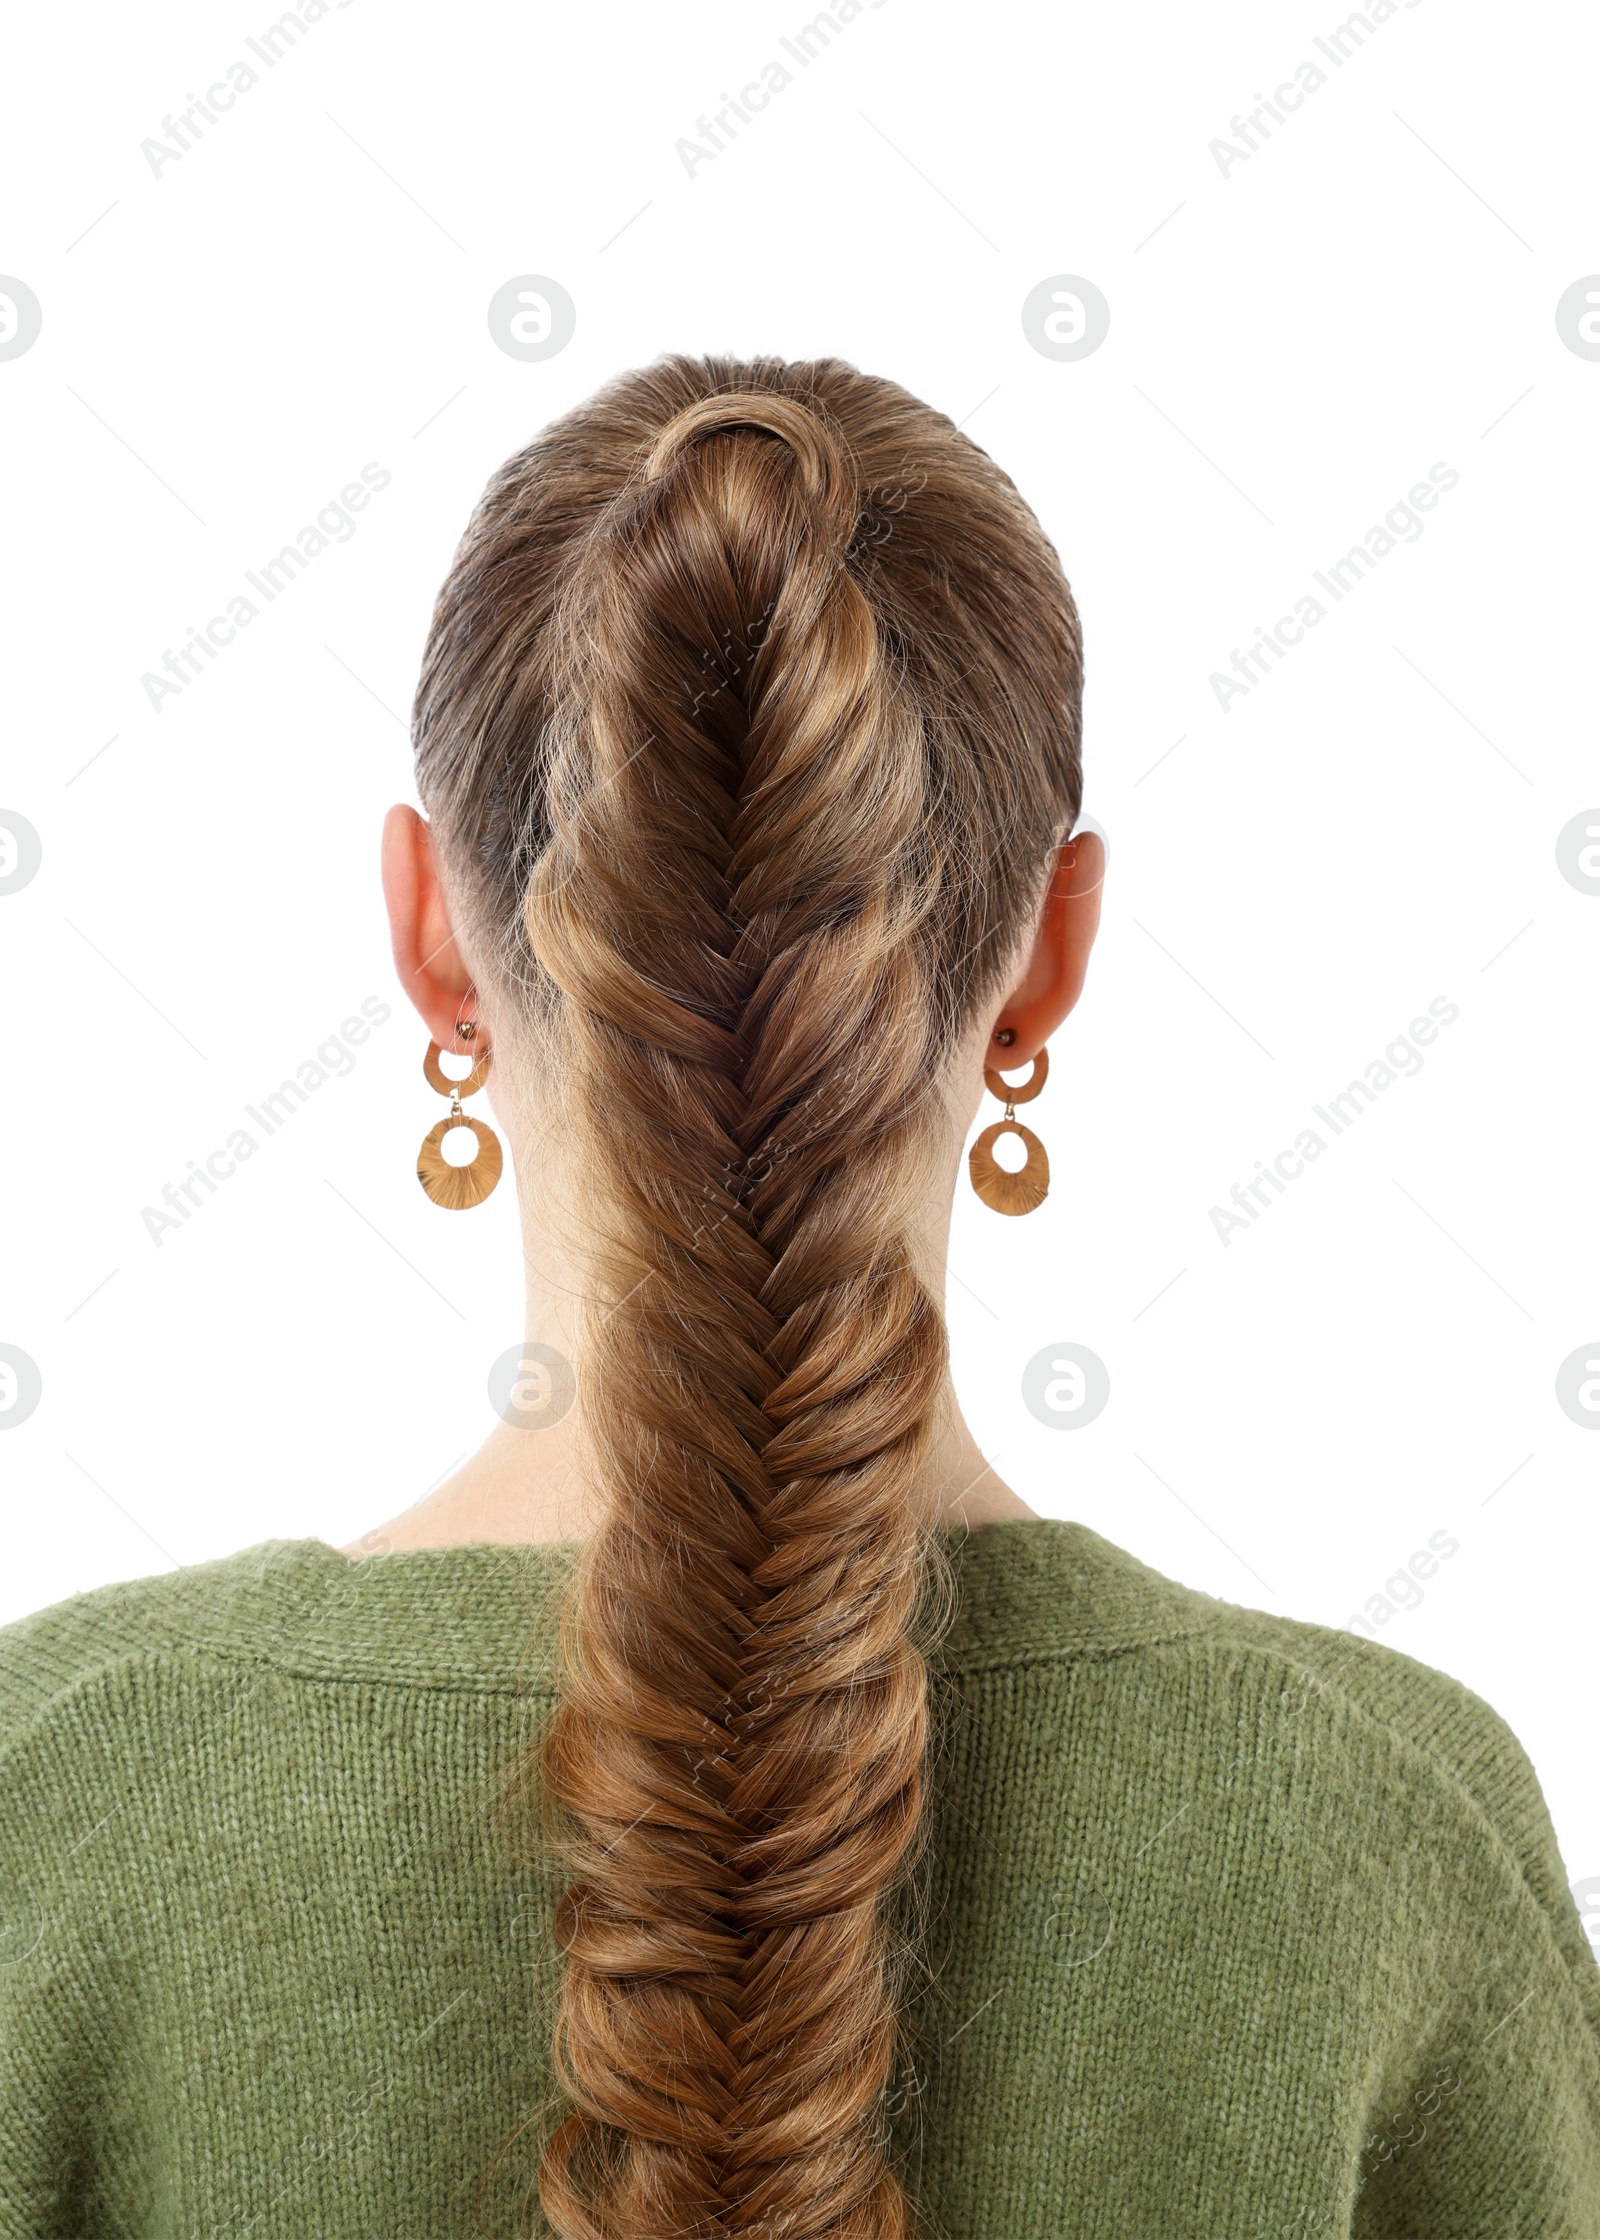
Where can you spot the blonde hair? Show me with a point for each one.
(748, 721)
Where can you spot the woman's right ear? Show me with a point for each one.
(427, 957)
(1053, 978)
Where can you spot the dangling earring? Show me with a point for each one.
(458, 1187)
(996, 1185)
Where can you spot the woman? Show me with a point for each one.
(910, 1862)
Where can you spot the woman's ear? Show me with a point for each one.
(432, 970)
(1052, 979)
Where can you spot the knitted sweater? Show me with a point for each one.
(1234, 1928)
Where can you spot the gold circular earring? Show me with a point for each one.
(456, 1188)
(997, 1186)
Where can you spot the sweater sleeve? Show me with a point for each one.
(69, 2047)
(51, 2044)
(1490, 2130)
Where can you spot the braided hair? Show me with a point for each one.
(748, 723)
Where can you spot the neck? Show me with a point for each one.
(536, 1485)
(533, 1486)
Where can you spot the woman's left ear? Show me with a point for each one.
(1052, 980)
(427, 957)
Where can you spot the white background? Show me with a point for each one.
(1292, 346)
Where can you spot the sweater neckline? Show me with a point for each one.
(483, 1615)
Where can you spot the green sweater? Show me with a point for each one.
(1237, 1928)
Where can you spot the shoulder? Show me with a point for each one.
(1047, 1592)
(1434, 1717)
(1397, 1750)
(55, 1656)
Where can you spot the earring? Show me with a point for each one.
(458, 1187)
(996, 1185)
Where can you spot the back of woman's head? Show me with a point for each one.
(748, 724)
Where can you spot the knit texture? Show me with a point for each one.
(1233, 1928)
